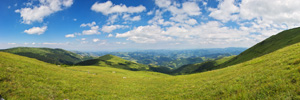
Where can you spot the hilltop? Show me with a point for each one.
(54, 56)
(114, 61)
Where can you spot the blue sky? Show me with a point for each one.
(101, 25)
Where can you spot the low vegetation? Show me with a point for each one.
(273, 43)
(272, 76)
(116, 62)
(201, 67)
(54, 56)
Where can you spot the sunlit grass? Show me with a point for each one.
(273, 76)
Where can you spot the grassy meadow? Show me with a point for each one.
(273, 76)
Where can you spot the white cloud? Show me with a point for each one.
(225, 11)
(191, 8)
(145, 34)
(191, 21)
(88, 24)
(150, 12)
(8, 7)
(75, 19)
(135, 18)
(83, 39)
(110, 35)
(96, 40)
(70, 36)
(264, 13)
(94, 29)
(262, 17)
(180, 13)
(112, 19)
(163, 3)
(110, 28)
(286, 12)
(42, 10)
(107, 8)
(36, 30)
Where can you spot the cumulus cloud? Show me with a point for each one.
(267, 14)
(180, 12)
(107, 8)
(225, 11)
(36, 30)
(145, 34)
(42, 10)
(70, 35)
(110, 35)
(96, 40)
(110, 28)
(163, 3)
(94, 29)
(88, 24)
(135, 18)
(262, 17)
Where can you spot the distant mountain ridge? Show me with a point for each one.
(54, 56)
(171, 58)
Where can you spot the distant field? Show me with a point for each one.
(273, 76)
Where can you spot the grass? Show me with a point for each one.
(54, 56)
(201, 67)
(114, 61)
(272, 76)
(273, 43)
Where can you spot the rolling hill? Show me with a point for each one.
(273, 43)
(201, 67)
(54, 56)
(272, 76)
(170, 58)
(114, 61)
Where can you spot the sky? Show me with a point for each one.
(117, 25)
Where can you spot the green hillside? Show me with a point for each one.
(201, 67)
(272, 76)
(54, 56)
(114, 61)
(273, 43)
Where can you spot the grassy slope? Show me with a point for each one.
(269, 45)
(273, 76)
(54, 56)
(201, 67)
(116, 62)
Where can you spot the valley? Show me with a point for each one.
(272, 75)
(276, 77)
